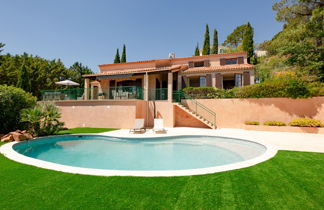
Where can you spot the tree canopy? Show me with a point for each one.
(247, 42)
(197, 52)
(117, 57)
(215, 43)
(77, 70)
(235, 38)
(123, 58)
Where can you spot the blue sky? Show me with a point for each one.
(90, 31)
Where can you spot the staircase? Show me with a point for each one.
(200, 112)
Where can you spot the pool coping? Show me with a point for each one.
(8, 151)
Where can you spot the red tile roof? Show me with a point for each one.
(218, 68)
(139, 70)
(177, 59)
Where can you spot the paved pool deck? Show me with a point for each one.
(305, 142)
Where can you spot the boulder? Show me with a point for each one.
(17, 136)
(28, 135)
(7, 138)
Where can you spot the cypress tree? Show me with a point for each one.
(197, 53)
(23, 79)
(215, 43)
(206, 48)
(123, 58)
(247, 42)
(117, 58)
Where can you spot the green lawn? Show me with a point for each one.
(291, 180)
(86, 130)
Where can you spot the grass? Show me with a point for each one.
(291, 180)
(86, 130)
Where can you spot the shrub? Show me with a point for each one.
(42, 120)
(12, 101)
(274, 123)
(275, 88)
(306, 122)
(316, 88)
(252, 123)
(208, 92)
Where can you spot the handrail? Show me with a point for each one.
(197, 104)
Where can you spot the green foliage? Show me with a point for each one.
(123, 58)
(274, 123)
(208, 92)
(275, 88)
(43, 73)
(76, 72)
(235, 38)
(316, 88)
(43, 119)
(117, 58)
(85, 130)
(206, 47)
(197, 53)
(12, 101)
(251, 123)
(301, 40)
(247, 42)
(215, 43)
(24, 79)
(1, 46)
(306, 122)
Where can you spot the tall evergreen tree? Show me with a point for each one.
(247, 42)
(123, 58)
(117, 58)
(206, 48)
(215, 43)
(197, 53)
(23, 79)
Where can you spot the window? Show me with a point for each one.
(199, 64)
(231, 61)
(202, 81)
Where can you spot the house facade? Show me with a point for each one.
(158, 79)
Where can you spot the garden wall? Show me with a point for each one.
(232, 113)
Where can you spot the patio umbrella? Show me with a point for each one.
(67, 82)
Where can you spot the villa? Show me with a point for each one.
(159, 78)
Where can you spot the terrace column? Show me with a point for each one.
(213, 79)
(179, 82)
(146, 89)
(170, 86)
(86, 88)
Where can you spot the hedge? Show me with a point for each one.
(306, 122)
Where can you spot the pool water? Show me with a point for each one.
(140, 154)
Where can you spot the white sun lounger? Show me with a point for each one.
(138, 126)
(158, 125)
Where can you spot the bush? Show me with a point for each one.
(316, 88)
(275, 88)
(12, 101)
(306, 122)
(252, 123)
(274, 123)
(42, 120)
(208, 92)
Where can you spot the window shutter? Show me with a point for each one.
(222, 61)
(191, 64)
(183, 82)
(208, 80)
(219, 81)
(246, 78)
(206, 63)
(240, 60)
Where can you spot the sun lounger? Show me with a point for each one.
(138, 126)
(158, 126)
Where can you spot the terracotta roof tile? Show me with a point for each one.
(132, 71)
(218, 68)
(176, 59)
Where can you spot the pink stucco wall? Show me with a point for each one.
(232, 113)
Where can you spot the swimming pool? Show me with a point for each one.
(159, 156)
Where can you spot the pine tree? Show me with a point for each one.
(123, 58)
(247, 42)
(117, 58)
(197, 53)
(215, 43)
(206, 48)
(23, 79)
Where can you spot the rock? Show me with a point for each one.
(28, 135)
(18, 136)
(7, 138)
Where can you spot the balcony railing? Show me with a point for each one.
(156, 94)
(105, 93)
